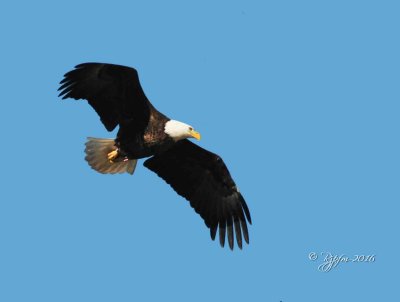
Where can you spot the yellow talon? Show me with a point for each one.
(112, 155)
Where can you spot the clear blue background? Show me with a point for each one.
(300, 98)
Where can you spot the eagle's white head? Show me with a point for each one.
(178, 130)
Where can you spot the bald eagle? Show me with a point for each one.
(200, 176)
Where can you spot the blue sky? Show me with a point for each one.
(300, 98)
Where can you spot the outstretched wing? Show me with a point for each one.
(203, 179)
(113, 91)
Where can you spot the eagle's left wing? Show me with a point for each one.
(204, 180)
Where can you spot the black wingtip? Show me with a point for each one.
(238, 232)
(65, 79)
(246, 236)
(245, 231)
(213, 232)
(222, 230)
(230, 232)
(246, 209)
(82, 65)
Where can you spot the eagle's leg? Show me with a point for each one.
(112, 155)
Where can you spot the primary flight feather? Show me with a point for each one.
(198, 175)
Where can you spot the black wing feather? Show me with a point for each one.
(113, 91)
(204, 180)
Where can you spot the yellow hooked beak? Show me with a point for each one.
(195, 134)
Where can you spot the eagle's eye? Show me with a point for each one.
(190, 129)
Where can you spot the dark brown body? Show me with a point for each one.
(153, 140)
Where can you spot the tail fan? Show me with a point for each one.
(97, 150)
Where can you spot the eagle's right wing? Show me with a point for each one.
(114, 91)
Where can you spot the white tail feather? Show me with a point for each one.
(97, 150)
